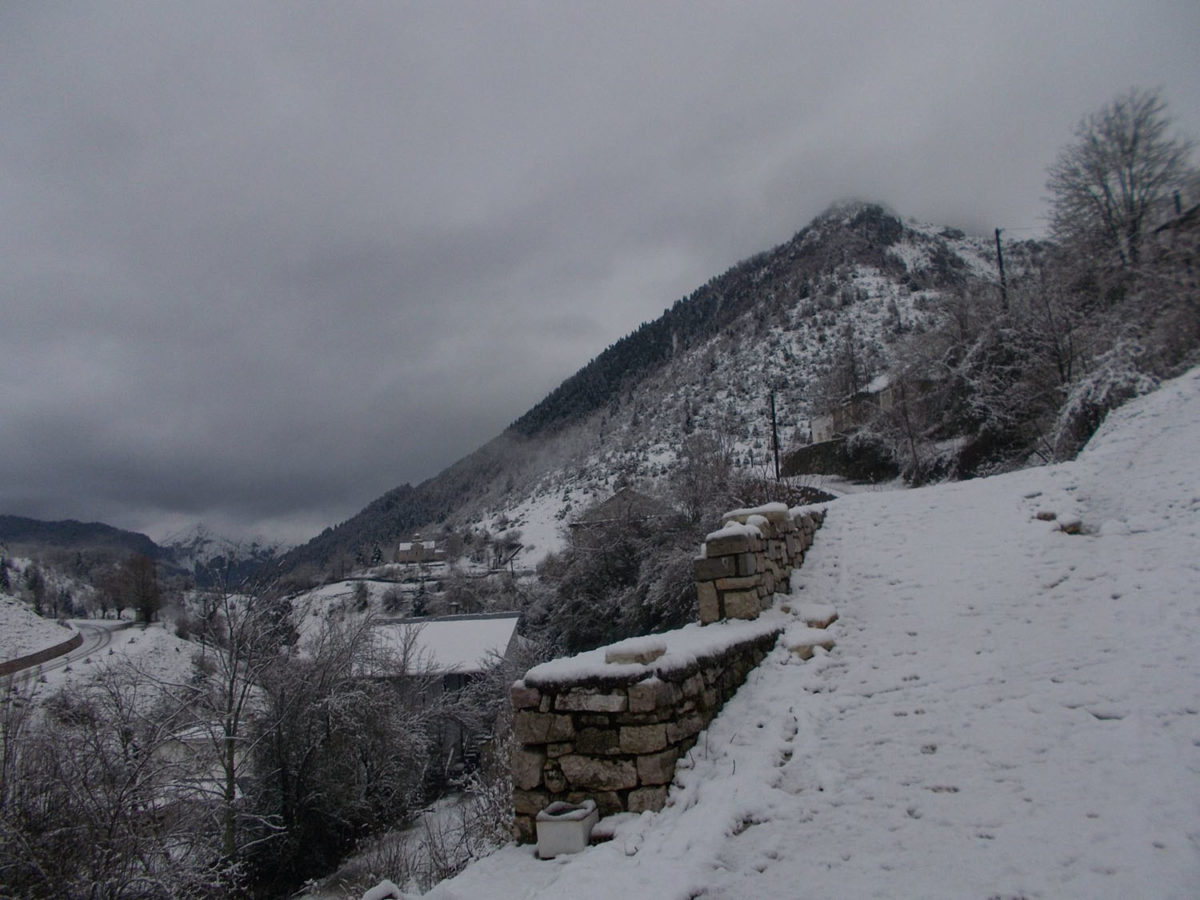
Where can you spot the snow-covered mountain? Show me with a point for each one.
(211, 558)
(853, 282)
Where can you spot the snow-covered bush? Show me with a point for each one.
(1117, 377)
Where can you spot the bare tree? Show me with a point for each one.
(93, 803)
(243, 636)
(343, 741)
(1122, 166)
(139, 582)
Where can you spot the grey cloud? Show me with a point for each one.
(264, 261)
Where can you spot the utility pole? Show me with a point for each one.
(774, 435)
(1000, 263)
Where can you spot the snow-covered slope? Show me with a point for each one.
(1010, 710)
(22, 631)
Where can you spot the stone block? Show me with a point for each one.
(527, 768)
(747, 563)
(608, 802)
(713, 567)
(709, 602)
(739, 584)
(652, 694)
(643, 738)
(805, 651)
(597, 742)
(685, 727)
(592, 700)
(554, 779)
(741, 605)
(647, 799)
(639, 656)
(731, 544)
(523, 697)
(553, 751)
(657, 768)
(541, 728)
(586, 773)
(529, 803)
(693, 685)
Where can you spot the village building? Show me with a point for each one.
(444, 654)
(625, 507)
(418, 551)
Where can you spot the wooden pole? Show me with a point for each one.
(1000, 264)
(774, 435)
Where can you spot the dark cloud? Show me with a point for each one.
(264, 261)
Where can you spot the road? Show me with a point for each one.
(97, 634)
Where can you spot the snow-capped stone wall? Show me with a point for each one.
(610, 725)
(42, 656)
(613, 731)
(750, 558)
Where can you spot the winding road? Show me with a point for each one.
(97, 634)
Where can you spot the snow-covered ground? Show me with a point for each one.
(22, 631)
(1010, 710)
(155, 652)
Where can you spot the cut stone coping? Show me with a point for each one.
(734, 529)
(635, 650)
(769, 511)
(686, 647)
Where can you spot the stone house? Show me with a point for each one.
(625, 507)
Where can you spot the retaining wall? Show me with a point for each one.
(611, 724)
(616, 738)
(751, 558)
(36, 659)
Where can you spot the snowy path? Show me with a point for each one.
(1010, 710)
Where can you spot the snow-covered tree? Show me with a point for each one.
(1107, 186)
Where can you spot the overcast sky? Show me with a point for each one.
(261, 262)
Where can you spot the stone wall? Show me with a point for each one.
(13, 666)
(751, 558)
(616, 739)
(610, 724)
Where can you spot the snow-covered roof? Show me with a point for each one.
(453, 644)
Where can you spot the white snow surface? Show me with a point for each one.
(154, 652)
(22, 631)
(1009, 711)
(463, 644)
(684, 647)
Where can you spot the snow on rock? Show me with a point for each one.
(815, 615)
(385, 890)
(1010, 710)
(738, 529)
(684, 647)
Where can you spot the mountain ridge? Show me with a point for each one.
(768, 323)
